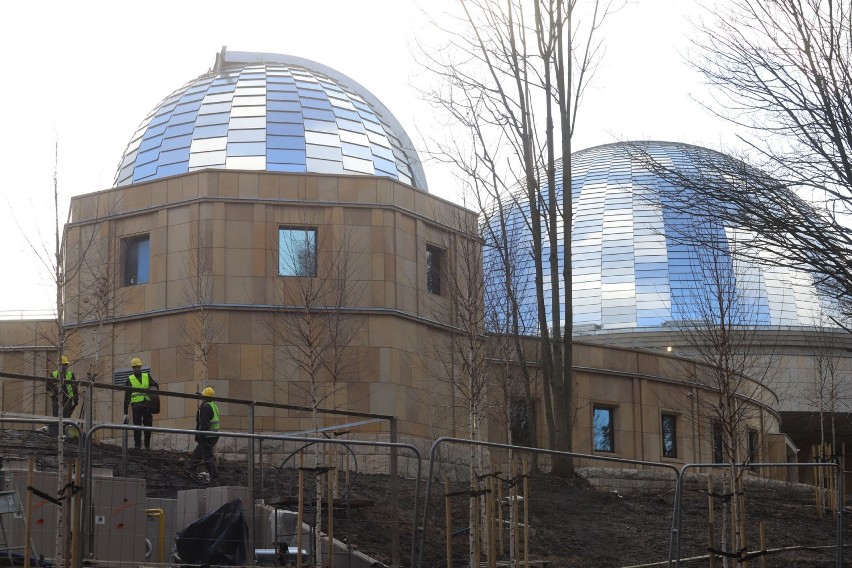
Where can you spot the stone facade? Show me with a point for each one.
(211, 308)
(222, 228)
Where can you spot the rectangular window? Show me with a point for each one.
(434, 269)
(669, 430)
(297, 251)
(603, 427)
(136, 252)
(718, 445)
(753, 446)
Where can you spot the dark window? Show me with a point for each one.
(669, 429)
(603, 426)
(718, 444)
(136, 252)
(521, 422)
(297, 251)
(434, 269)
(753, 446)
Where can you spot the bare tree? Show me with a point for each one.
(831, 388)
(781, 70)
(463, 350)
(506, 287)
(200, 329)
(717, 322)
(315, 319)
(81, 274)
(63, 266)
(512, 77)
(455, 273)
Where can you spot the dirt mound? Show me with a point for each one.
(570, 523)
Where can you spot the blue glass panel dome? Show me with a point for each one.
(638, 263)
(270, 112)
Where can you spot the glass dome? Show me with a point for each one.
(269, 112)
(638, 262)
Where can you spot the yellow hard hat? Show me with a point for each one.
(136, 362)
(208, 391)
(63, 360)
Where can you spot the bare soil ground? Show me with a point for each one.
(571, 523)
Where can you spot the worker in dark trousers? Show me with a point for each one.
(206, 420)
(63, 393)
(139, 402)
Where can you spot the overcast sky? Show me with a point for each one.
(86, 73)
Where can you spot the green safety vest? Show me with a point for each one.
(69, 376)
(214, 422)
(138, 384)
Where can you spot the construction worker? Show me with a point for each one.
(139, 402)
(206, 420)
(63, 392)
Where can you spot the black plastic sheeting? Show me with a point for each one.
(9, 558)
(218, 538)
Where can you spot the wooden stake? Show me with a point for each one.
(741, 498)
(526, 517)
(28, 528)
(734, 524)
(448, 518)
(489, 516)
(818, 482)
(75, 542)
(330, 562)
(515, 521)
(346, 473)
(300, 510)
(711, 538)
(66, 518)
(475, 527)
(763, 544)
(832, 484)
(500, 517)
(842, 470)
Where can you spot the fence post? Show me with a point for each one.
(394, 487)
(840, 493)
(711, 537)
(492, 533)
(526, 516)
(250, 483)
(75, 536)
(28, 512)
(448, 515)
(516, 526)
(299, 515)
(500, 528)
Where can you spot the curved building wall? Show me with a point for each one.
(639, 263)
(374, 231)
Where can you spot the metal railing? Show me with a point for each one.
(88, 437)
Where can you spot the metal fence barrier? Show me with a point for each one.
(86, 446)
(838, 473)
(679, 473)
(446, 440)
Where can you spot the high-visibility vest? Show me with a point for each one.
(138, 383)
(69, 376)
(214, 422)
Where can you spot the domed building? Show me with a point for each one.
(274, 113)
(650, 273)
(270, 234)
(640, 261)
